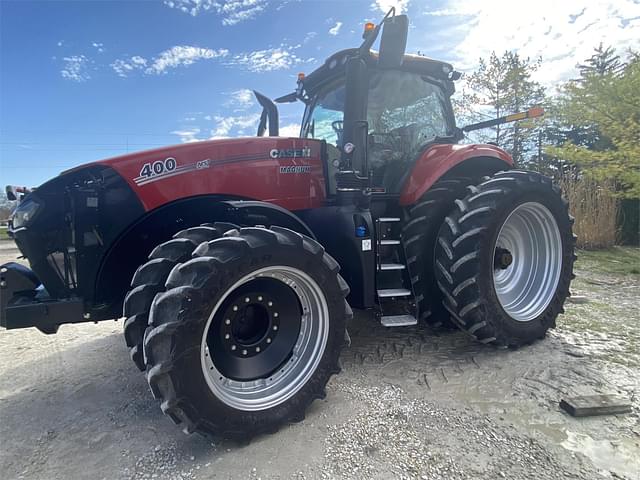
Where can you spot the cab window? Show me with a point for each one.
(327, 116)
(405, 112)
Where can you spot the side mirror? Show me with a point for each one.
(394, 41)
(11, 193)
(269, 115)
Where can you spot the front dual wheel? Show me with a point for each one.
(504, 258)
(247, 334)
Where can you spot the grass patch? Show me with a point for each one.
(3, 233)
(616, 260)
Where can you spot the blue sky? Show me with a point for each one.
(80, 81)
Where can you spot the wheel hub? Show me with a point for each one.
(502, 259)
(251, 328)
(257, 328)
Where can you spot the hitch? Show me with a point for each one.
(24, 303)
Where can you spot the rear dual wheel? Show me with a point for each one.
(247, 333)
(419, 239)
(504, 258)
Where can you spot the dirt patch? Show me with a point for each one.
(410, 403)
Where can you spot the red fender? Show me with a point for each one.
(439, 159)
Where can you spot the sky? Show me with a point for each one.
(86, 80)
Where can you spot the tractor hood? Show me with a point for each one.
(66, 226)
(257, 168)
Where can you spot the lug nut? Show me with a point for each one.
(276, 314)
(227, 336)
(270, 304)
(268, 340)
(227, 321)
(247, 300)
(257, 349)
(244, 352)
(235, 308)
(275, 327)
(233, 347)
(260, 298)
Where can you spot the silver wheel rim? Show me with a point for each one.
(532, 237)
(290, 377)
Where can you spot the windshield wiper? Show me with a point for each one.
(444, 138)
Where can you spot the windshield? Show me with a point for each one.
(325, 122)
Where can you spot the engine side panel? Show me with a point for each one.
(437, 160)
(285, 171)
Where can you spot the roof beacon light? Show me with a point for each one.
(369, 26)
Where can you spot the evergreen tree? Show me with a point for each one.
(607, 105)
(604, 61)
(500, 86)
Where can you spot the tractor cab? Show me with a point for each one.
(377, 111)
(405, 112)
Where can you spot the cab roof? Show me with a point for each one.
(334, 67)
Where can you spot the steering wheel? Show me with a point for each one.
(338, 127)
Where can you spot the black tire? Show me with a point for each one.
(150, 278)
(179, 325)
(419, 239)
(466, 258)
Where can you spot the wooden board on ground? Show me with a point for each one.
(589, 405)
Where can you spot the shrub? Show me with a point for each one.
(595, 208)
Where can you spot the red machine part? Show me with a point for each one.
(285, 171)
(439, 159)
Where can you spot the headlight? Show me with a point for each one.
(24, 213)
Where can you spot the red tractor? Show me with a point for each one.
(236, 262)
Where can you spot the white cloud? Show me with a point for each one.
(182, 55)
(60, 43)
(231, 11)
(291, 130)
(124, 67)
(385, 5)
(309, 36)
(280, 58)
(75, 68)
(173, 57)
(335, 29)
(224, 125)
(240, 99)
(98, 46)
(187, 135)
(562, 33)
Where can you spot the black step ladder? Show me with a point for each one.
(396, 301)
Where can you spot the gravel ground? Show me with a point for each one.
(410, 403)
